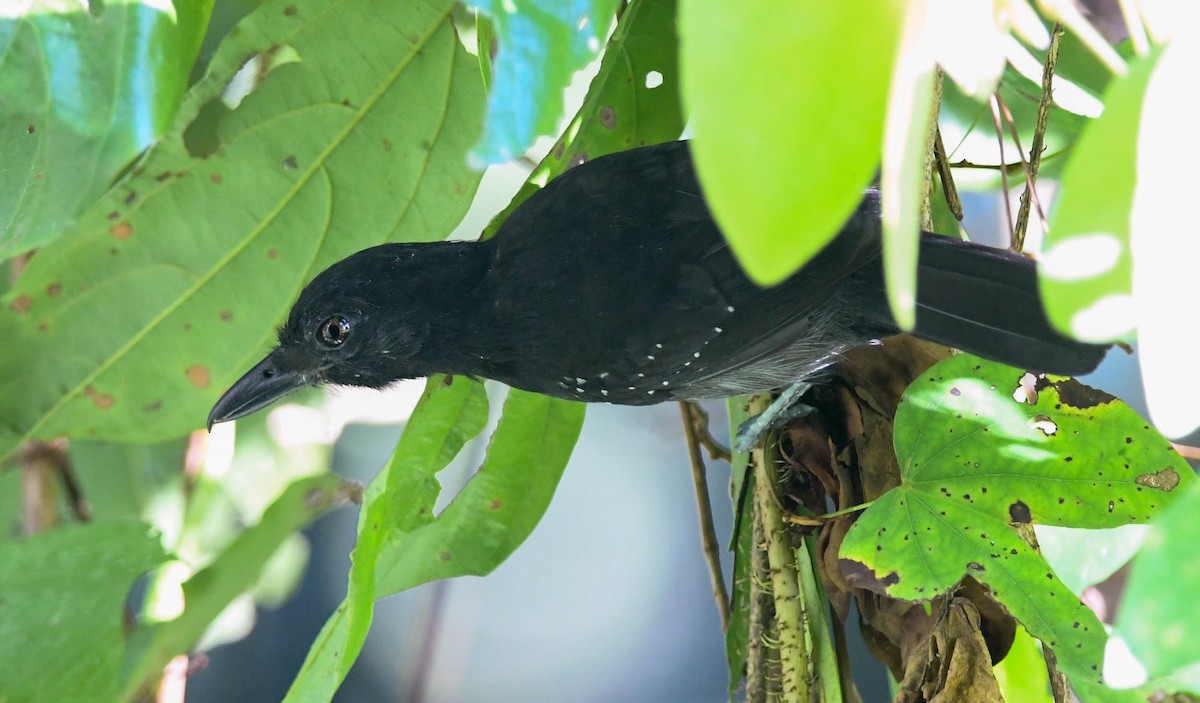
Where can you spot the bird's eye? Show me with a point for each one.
(333, 331)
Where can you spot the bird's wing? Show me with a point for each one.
(617, 278)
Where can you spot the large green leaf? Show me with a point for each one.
(62, 609)
(1086, 271)
(982, 446)
(80, 95)
(541, 43)
(787, 103)
(135, 321)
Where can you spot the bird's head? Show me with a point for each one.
(360, 322)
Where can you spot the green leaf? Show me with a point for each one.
(1085, 276)
(135, 321)
(1163, 244)
(620, 111)
(207, 593)
(1022, 673)
(498, 508)
(982, 446)
(737, 634)
(403, 544)
(80, 95)
(905, 143)
(63, 609)
(1159, 605)
(449, 414)
(787, 104)
(541, 44)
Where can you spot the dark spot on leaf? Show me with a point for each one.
(387, 144)
(30, 129)
(21, 304)
(1129, 440)
(608, 117)
(131, 197)
(289, 11)
(215, 177)
(1012, 551)
(226, 315)
(54, 289)
(272, 253)
(495, 504)
(289, 163)
(121, 230)
(975, 566)
(860, 575)
(444, 555)
(953, 391)
(187, 327)
(1165, 480)
(152, 407)
(104, 401)
(1069, 459)
(448, 381)
(558, 150)
(113, 215)
(1019, 513)
(198, 375)
(578, 158)
(165, 175)
(1077, 395)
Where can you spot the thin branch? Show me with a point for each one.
(994, 102)
(708, 533)
(949, 190)
(1030, 177)
(716, 450)
(1039, 137)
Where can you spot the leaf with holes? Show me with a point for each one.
(984, 446)
(632, 101)
(134, 321)
(541, 44)
(80, 95)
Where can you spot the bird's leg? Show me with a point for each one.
(781, 411)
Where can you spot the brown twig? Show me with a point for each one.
(708, 533)
(994, 102)
(716, 450)
(949, 190)
(1019, 229)
(41, 464)
(1039, 136)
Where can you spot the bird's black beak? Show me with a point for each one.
(262, 385)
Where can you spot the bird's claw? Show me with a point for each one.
(781, 411)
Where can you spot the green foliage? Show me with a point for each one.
(403, 544)
(61, 637)
(84, 89)
(541, 44)
(758, 145)
(177, 223)
(208, 592)
(192, 249)
(1086, 279)
(981, 449)
(1160, 605)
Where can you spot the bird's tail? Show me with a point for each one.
(986, 301)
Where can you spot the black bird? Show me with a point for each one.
(614, 284)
